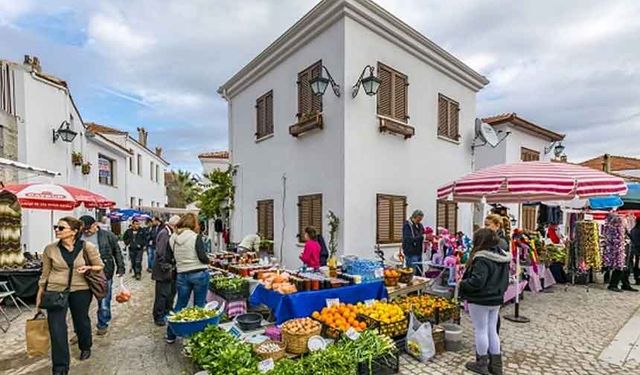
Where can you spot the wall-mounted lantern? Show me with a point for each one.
(65, 132)
(320, 83)
(370, 84)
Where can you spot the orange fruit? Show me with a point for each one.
(316, 315)
(363, 325)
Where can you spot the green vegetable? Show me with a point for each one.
(228, 284)
(191, 314)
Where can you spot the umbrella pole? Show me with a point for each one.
(516, 318)
(51, 226)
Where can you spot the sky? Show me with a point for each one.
(572, 66)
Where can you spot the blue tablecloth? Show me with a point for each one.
(302, 304)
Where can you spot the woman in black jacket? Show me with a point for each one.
(483, 286)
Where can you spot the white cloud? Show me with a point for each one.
(111, 36)
(12, 9)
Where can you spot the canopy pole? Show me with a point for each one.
(516, 318)
(51, 227)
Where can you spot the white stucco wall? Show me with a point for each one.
(311, 163)
(116, 193)
(385, 163)
(209, 165)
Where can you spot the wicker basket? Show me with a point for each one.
(406, 276)
(297, 343)
(391, 281)
(275, 355)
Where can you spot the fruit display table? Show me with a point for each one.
(303, 304)
(418, 284)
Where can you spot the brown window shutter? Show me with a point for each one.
(265, 218)
(268, 110)
(383, 219)
(304, 215)
(384, 91)
(528, 220)
(269, 220)
(452, 216)
(400, 97)
(441, 214)
(529, 155)
(316, 209)
(304, 93)
(259, 117)
(454, 110)
(316, 100)
(399, 216)
(443, 118)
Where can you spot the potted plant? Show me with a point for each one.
(76, 158)
(86, 168)
(334, 224)
(266, 246)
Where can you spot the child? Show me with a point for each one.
(483, 286)
(311, 254)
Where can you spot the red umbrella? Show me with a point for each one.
(56, 197)
(532, 182)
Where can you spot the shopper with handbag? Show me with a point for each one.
(164, 273)
(63, 285)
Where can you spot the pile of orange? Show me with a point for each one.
(340, 317)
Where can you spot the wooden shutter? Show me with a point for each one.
(309, 213)
(260, 118)
(447, 215)
(529, 220)
(443, 116)
(391, 212)
(265, 218)
(400, 97)
(529, 155)
(384, 91)
(268, 109)
(454, 109)
(448, 118)
(307, 102)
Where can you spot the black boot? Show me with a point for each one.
(480, 366)
(495, 364)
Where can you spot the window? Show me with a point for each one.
(448, 118)
(529, 155)
(131, 164)
(392, 94)
(528, 220)
(265, 219)
(307, 102)
(132, 202)
(140, 202)
(447, 215)
(106, 170)
(139, 165)
(157, 173)
(391, 212)
(309, 213)
(264, 115)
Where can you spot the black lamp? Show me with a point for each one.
(65, 132)
(319, 84)
(558, 150)
(370, 84)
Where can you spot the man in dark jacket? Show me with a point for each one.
(164, 273)
(152, 232)
(135, 238)
(412, 241)
(634, 252)
(107, 244)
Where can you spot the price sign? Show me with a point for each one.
(352, 334)
(332, 302)
(266, 365)
(234, 331)
(378, 273)
(369, 302)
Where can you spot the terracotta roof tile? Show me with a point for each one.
(617, 163)
(214, 155)
(97, 128)
(523, 124)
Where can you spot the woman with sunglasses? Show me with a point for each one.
(63, 269)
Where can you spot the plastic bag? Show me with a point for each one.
(420, 340)
(37, 334)
(124, 295)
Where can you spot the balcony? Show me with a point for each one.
(306, 123)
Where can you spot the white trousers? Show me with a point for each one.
(485, 328)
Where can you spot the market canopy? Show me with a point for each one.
(532, 182)
(125, 214)
(56, 197)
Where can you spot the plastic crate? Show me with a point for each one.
(383, 365)
(333, 333)
(395, 329)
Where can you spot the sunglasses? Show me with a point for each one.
(60, 228)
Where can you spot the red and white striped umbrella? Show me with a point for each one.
(531, 182)
(56, 197)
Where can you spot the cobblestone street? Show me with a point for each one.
(567, 333)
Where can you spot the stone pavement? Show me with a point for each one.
(568, 332)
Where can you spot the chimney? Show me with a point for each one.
(563, 158)
(33, 62)
(606, 163)
(142, 136)
(159, 152)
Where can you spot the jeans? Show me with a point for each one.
(411, 260)
(79, 302)
(485, 324)
(135, 255)
(163, 301)
(104, 307)
(151, 257)
(187, 283)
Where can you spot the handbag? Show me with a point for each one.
(37, 335)
(52, 300)
(97, 280)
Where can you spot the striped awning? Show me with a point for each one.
(532, 182)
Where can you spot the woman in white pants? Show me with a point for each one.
(483, 286)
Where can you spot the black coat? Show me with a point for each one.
(164, 267)
(110, 253)
(412, 238)
(486, 280)
(635, 240)
(136, 241)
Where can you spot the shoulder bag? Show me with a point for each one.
(97, 280)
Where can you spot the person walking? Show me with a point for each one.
(164, 272)
(63, 269)
(633, 264)
(111, 255)
(191, 264)
(135, 239)
(310, 255)
(412, 239)
(483, 286)
(152, 233)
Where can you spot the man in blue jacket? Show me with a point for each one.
(412, 240)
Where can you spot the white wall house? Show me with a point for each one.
(526, 142)
(369, 159)
(34, 104)
(214, 161)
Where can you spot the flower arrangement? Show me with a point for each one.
(86, 168)
(76, 158)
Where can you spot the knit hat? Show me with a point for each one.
(173, 220)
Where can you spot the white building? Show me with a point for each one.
(371, 160)
(526, 142)
(33, 107)
(214, 161)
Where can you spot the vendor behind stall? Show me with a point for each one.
(250, 243)
(311, 253)
(412, 239)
